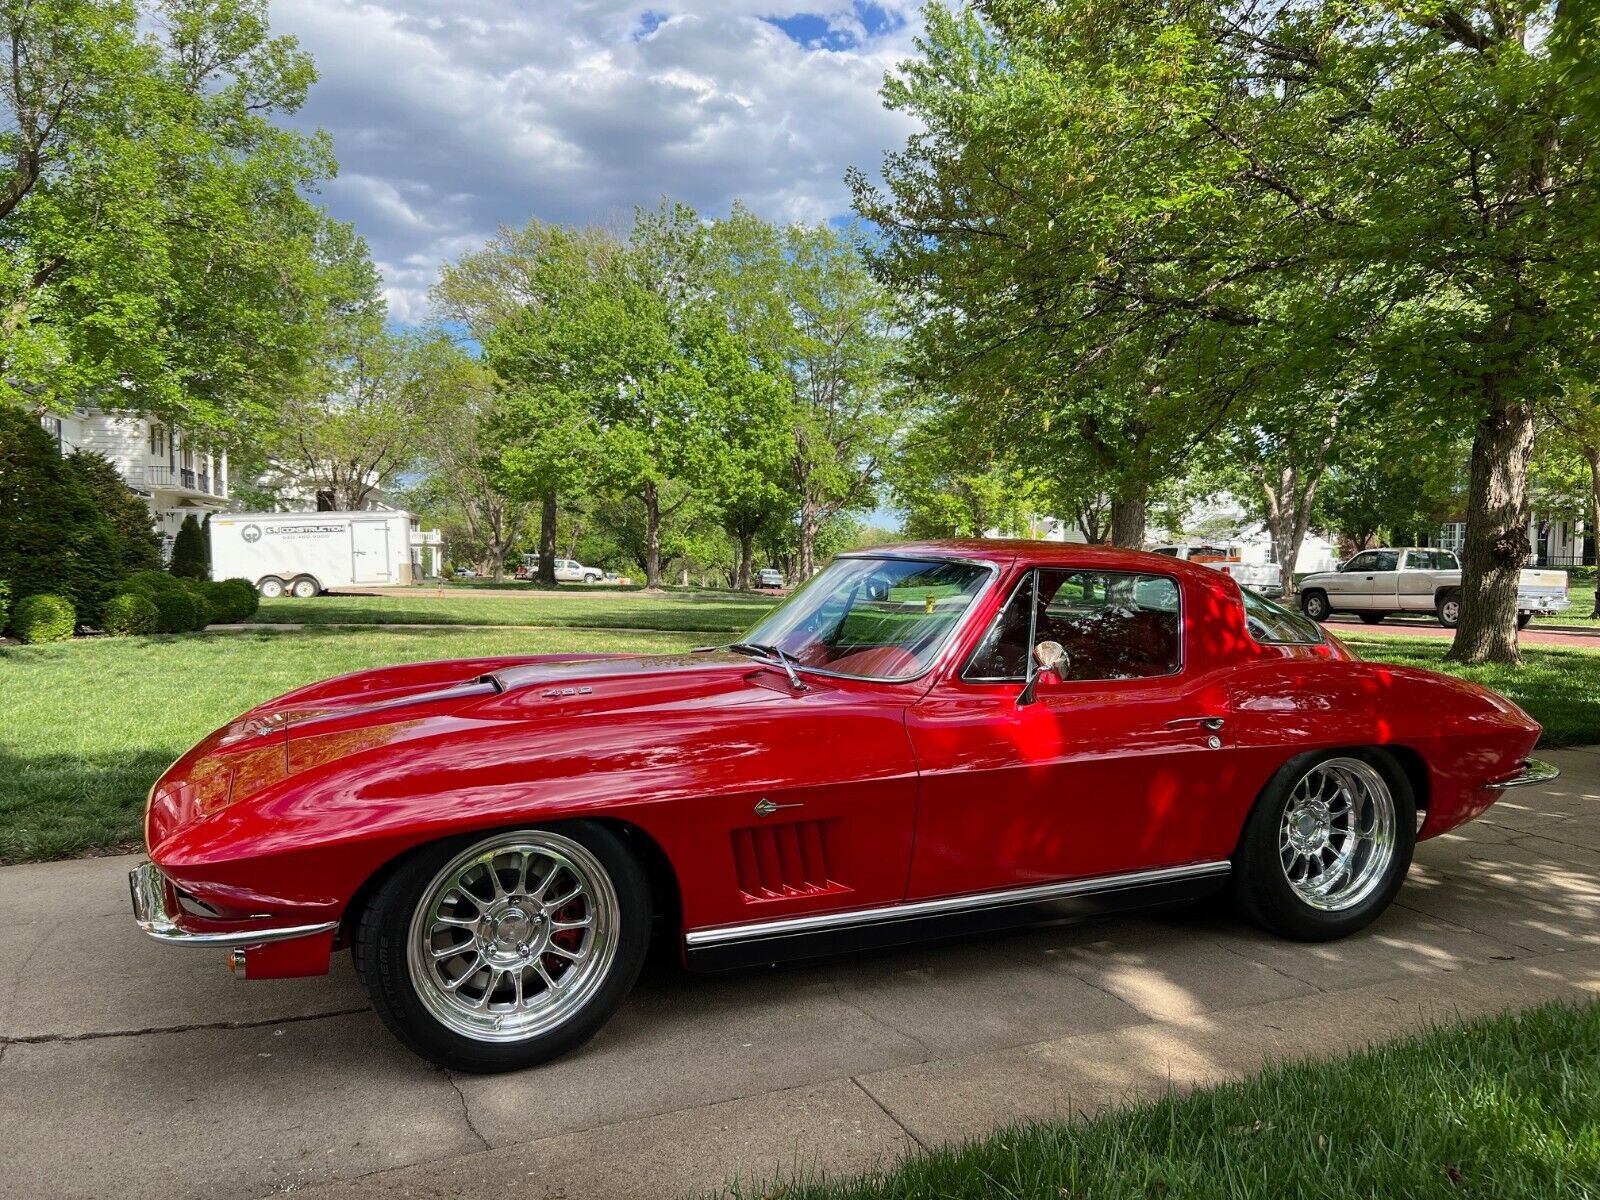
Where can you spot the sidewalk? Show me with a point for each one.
(129, 1069)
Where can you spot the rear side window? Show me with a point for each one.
(1277, 626)
(1113, 625)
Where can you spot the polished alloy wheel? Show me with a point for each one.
(513, 937)
(1450, 612)
(1337, 837)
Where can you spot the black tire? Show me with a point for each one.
(1373, 618)
(591, 578)
(1261, 887)
(380, 951)
(1315, 605)
(1524, 619)
(1449, 610)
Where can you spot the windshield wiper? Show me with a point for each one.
(776, 655)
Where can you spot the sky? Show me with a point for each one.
(452, 117)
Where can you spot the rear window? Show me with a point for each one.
(1275, 625)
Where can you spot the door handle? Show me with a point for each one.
(1212, 723)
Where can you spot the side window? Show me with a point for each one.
(1113, 625)
(1385, 560)
(1275, 625)
(1448, 561)
(1363, 562)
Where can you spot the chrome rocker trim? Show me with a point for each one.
(822, 934)
(148, 888)
(1533, 772)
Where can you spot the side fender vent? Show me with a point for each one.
(787, 859)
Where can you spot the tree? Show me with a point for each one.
(950, 484)
(1398, 191)
(1373, 493)
(159, 248)
(53, 536)
(514, 297)
(191, 556)
(1575, 413)
(463, 461)
(138, 546)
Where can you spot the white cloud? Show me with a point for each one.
(451, 120)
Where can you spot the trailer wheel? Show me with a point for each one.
(270, 587)
(304, 587)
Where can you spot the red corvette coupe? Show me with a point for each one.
(923, 739)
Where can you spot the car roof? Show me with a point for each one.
(1001, 552)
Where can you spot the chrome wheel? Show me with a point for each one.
(1337, 837)
(1450, 613)
(514, 936)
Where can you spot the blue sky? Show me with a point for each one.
(450, 119)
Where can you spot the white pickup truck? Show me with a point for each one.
(1265, 578)
(1376, 583)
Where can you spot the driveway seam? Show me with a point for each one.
(466, 1110)
(889, 1112)
(1276, 970)
(883, 1023)
(38, 1039)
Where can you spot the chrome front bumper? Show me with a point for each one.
(1533, 772)
(151, 913)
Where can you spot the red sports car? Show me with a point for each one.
(923, 739)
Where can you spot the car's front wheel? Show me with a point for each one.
(1327, 845)
(500, 952)
(1315, 605)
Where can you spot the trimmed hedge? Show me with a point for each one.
(231, 600)
(249, 600)
(129, 613)
(150, 582)
(177, 611)
(43, 617)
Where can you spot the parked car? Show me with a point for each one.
(466, 573)
(769, 577)
(1378, 583)
(1266, 578)
(568, 570)
(930, 738)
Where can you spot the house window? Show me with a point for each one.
(158, 440)
(1453, 536)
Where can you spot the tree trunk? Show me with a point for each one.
(652, 538)
(1288, 518)
(1128, 519)
(1592, 455)
(808, 539)
(1496, 546)
(547, 539)
(745, 552)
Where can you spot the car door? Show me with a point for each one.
(1380, 581)
(1114, 768)
(1414, 583)
(1348, 588)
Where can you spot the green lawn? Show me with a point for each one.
(87, 726)
(1559, 688)
(1582, 597)
(1503, 1109)
(715, 613)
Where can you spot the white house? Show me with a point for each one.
(176, 474)
(1556, 542)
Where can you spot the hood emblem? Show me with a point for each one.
(557, 693)
(765, 807)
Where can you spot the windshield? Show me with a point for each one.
(873, 618)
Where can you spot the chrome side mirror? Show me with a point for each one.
(1052, 657)
(1048, 657)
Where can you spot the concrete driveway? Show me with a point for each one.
(130, 1070)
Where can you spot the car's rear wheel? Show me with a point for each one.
(1315, 605)
(1523, 619)
(304, 587)
(1327, 845)
(270, 587)
(1373, 618)
(494, 953)
(1449, 611)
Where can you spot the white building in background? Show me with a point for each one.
(293, 494)
(1221, 519)
(1556, 541)
(175, 473)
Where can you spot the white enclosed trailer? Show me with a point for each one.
(302, 554)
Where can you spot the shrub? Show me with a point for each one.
(151, 582)
(191, 556)
(203, 614)
(5, 603)
(43, 617)
(129, 613)
(176, 610)
(249, 600)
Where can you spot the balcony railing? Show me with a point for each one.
(159, 475)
